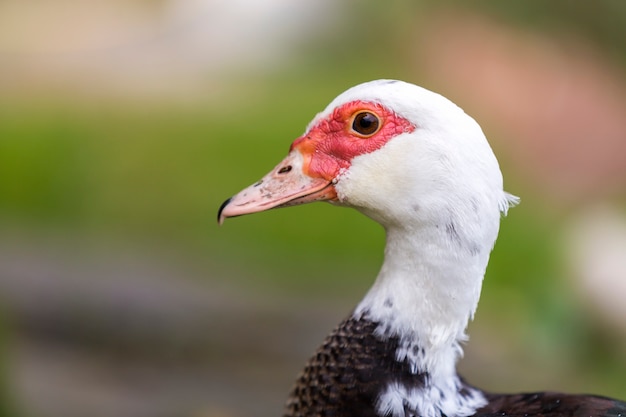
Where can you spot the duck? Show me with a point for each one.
(416, 163)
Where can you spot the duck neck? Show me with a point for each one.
(425, 294)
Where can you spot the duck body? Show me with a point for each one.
(356, 373)
(418, 165)
(354, 367)
(551, 404)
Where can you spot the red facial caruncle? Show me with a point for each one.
(354, 129)
(317, 158)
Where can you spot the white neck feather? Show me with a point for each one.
(426, 292)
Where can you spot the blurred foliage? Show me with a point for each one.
(6, 401)
(602, 22)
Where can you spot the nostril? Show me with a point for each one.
(284, 169)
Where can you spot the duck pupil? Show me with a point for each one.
(365, 123)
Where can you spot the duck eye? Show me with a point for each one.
(365, 123)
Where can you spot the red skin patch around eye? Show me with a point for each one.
(331, 144)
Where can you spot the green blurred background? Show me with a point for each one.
(125, 124)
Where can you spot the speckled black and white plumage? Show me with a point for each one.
(353, 369)
(423, 169)
(354, 366)
(348, 372)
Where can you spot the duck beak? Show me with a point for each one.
(286, 185)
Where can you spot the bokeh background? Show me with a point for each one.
(124, 124)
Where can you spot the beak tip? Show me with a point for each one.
(220, 217)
